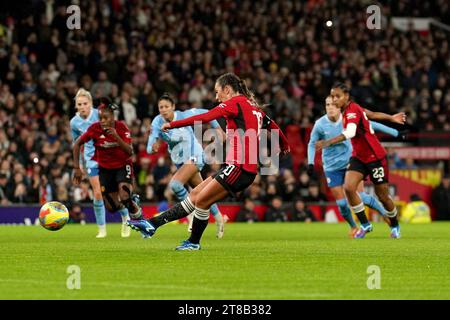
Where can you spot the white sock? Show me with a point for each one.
(125, 218)
(219, 218)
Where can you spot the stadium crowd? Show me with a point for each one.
(133, 51)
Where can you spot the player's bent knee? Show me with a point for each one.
(349, 189)
(176, 186)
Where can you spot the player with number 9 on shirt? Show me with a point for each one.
(113, 151)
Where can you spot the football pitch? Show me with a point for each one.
(281, 261)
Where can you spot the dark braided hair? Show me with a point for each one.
(342, 86)
(237, 84)
(104, 103)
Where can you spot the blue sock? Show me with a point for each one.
(214, 209)
(178, 189)
(123, 212)
(373, 203)
(346, 212)
(99, 211)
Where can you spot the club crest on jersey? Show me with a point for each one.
(222, 105)
(351, 115)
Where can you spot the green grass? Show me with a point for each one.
(258, 261)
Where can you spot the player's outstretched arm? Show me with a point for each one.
(212, 114)
(399, 118)
(385, 129)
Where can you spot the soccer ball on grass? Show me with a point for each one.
(53, 215)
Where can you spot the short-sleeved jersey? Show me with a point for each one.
(244, 122)
(78, 126)
(108, 153)
(366, 146)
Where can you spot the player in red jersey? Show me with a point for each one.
(368, 158)
(113, 152)
(244, 121)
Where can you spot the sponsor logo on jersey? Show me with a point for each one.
(351, 115)
(108, 144)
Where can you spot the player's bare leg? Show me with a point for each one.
(382, 192)
(99, 206)
(125, 196)
(344, 209)
(113, 204)
(352, 180)
(133, 209)
(195, 180)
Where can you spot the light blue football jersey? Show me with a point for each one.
(183, 145)
(78, 126)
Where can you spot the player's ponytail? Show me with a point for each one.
(238, 85)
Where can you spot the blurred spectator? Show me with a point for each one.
(302, 213)
(83, 193)
(314, 194)
(303, 184)
(247, 212)
(416, 211)
(77, 215)
(4, 199)
(289, 189)
(394, 160)
(276, 211)
(441, 199)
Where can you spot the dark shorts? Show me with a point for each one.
(110, 178)
(378, 171)
(234, 179)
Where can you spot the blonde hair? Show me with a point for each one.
(83, 93)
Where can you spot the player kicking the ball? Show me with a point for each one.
(336, 157)
(113, 150)
(368, 157)
(185, 151)
(240, 111)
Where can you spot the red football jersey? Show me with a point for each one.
(366, 146)
(108, 153)
(244, 122)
